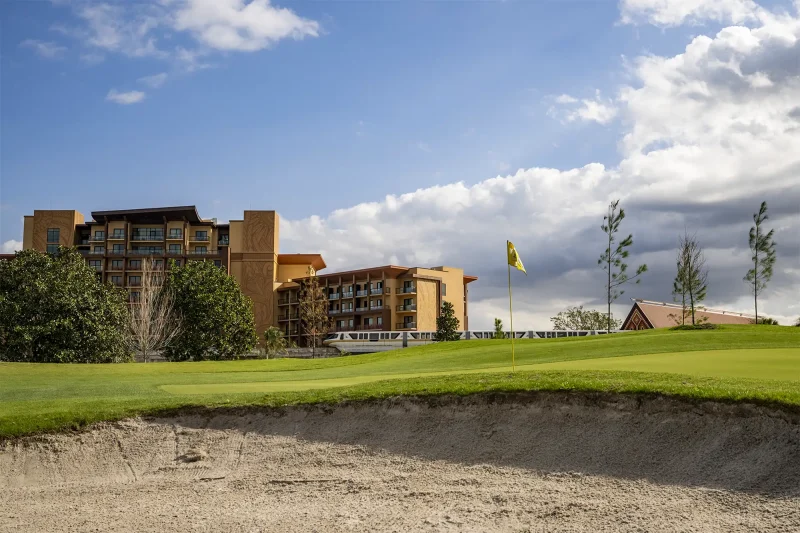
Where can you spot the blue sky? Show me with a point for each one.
(423, 133)
(388, 98)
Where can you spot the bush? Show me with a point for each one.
(217, 318)
(53, 309)
(691, 327)
(767, 321)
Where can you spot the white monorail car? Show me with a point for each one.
(381, 341)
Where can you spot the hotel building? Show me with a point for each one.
(115, 243)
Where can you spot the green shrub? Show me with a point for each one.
(691, 327)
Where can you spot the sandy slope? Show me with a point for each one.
(539, 462)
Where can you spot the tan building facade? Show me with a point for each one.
(116, 242)
(386, 298)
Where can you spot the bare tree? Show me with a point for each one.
(691, 280)
(313, 313)
(154, 319)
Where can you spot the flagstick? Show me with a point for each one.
(511, 313)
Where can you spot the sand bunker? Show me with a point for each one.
(534, 462)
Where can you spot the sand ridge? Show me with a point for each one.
(499, 462)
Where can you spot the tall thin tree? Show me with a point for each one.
(763, 248)
(691, 281)
(613, 259)
(154, 320)
(313, 314)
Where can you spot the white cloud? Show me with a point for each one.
(677, 12)
(155, 81)
(598, 109)
(49, 50)
(11, 246)
(126, 98)
(709, 134)
(93, 58)
(425, 147)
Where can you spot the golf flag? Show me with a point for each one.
(513, 258)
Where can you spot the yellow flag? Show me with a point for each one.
(513, 258)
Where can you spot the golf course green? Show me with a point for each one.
(756, 363)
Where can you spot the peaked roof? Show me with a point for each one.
(658, 314)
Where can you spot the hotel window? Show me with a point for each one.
(135, 296)
(135, 264)
(217, 263)
(134, 281)
(380, 321)
(52, 248)
(200, 249)
(158, 264)
(53, 235)
(444, 289)
(118, 233)
(367, 321)
(99, 235)
(116, 281)
(119, 248)
(174, 248)
(95, 264)
(175, 233)
(99, 249)
(350, 323)
(116, 264)
(201, 235)
(408, 319)
(177, 262)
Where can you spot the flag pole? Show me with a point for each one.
(511, 315)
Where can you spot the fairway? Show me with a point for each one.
(734, 362)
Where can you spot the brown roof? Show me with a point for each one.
(152, 215)
(314, 260)
(657, 313)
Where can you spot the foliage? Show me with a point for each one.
(447, 324)
(218, 320)
(613, 259)
(690, 327)
(313, 312)
(36, 398)
(154, 319)
(767, 321)
(275, 343)
(797, 323)
(53, 309)
(691, 281)
(763, 248)
(584, 319)
(498, 329)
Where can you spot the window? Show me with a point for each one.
(118, 233)
(444, 289)
(217, 263)
(407, 302)
(174, 248)
(135, 264)
(116, 264)
(116, 280)
(158, 264)
(52, 248)
(100, 235)
(99, 249)
(96, 264)
(224, 240)
(408, 319)
(380, 320)
(175, 233)
(201, 235)
(134, 281)
(119, 249)
(350, 322)
(177, 262)
(135, 296)
(148, 234)
(200, 249)
(367, 321)
(53, 235)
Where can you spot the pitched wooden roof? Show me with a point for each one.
(657, 314)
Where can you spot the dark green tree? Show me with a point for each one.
(763, 248)
(217, 319)
(447, 324)
(613, 259)
(53, 309)
(797, 323)
(578, 318)
(498, 329)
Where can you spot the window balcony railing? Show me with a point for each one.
(113, 268)
(386, 290)
(407, 325)
(157, 251)
(148, 237)
(202, 252)
(174, 252)
(372, 326)
(198, 238)
(333, 296)
(408, 307)
(134, 283)
(116, 237)
(344, 328)
(287, 301)
(96, 252)
(362, 293)
(116, 282)
(97, 238)
(97, 268)
(347, 294)
(83, 242)
(333, 311)
(116, 252)
(223, 242)
(375, 307)
(175, 236)
(406, 290)
(361, 309)
(346, 310)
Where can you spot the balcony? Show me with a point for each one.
(153, 237)
(347, 294)
(287, 301)
(333, 311)
(375, 307)
(198, 238)
(174, 252)
(362, 293)
(116, 237)
(134, 283)
(116, 252)
(158, 251)
(406, 325)
(333, 296)
(361, 309)
(83, 242)
(97, 268)
(407, 290)
(223, 242)
(204, 253)
(116, 283)
(113, 268)
(97, 252)
(136, 267)
(372, 326)
(288, 316)
(407, 308)
(346, 310)
(98, 238)
(175, 236)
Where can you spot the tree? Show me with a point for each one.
(498, 329)
(613, 259)
(53, 309)
(691, 280)
(217, 318)
(313, 312)
(767, 321)
(797, 323)
(447, 324)
(763, 248)
(578, 318)
(274, 342)
(154, 319)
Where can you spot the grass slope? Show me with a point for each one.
(733, 363)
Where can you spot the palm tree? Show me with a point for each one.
(274, 343)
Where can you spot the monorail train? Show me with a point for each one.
(381, 341)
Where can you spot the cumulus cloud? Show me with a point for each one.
(597, 109)
(126, 98)
(48, 50)
(676, 12)
(155, 81)
(709, 134)
(11, 246)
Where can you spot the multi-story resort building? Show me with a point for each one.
(116, 242)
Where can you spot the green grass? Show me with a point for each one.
(759, 363)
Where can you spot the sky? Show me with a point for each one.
(425, 133)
